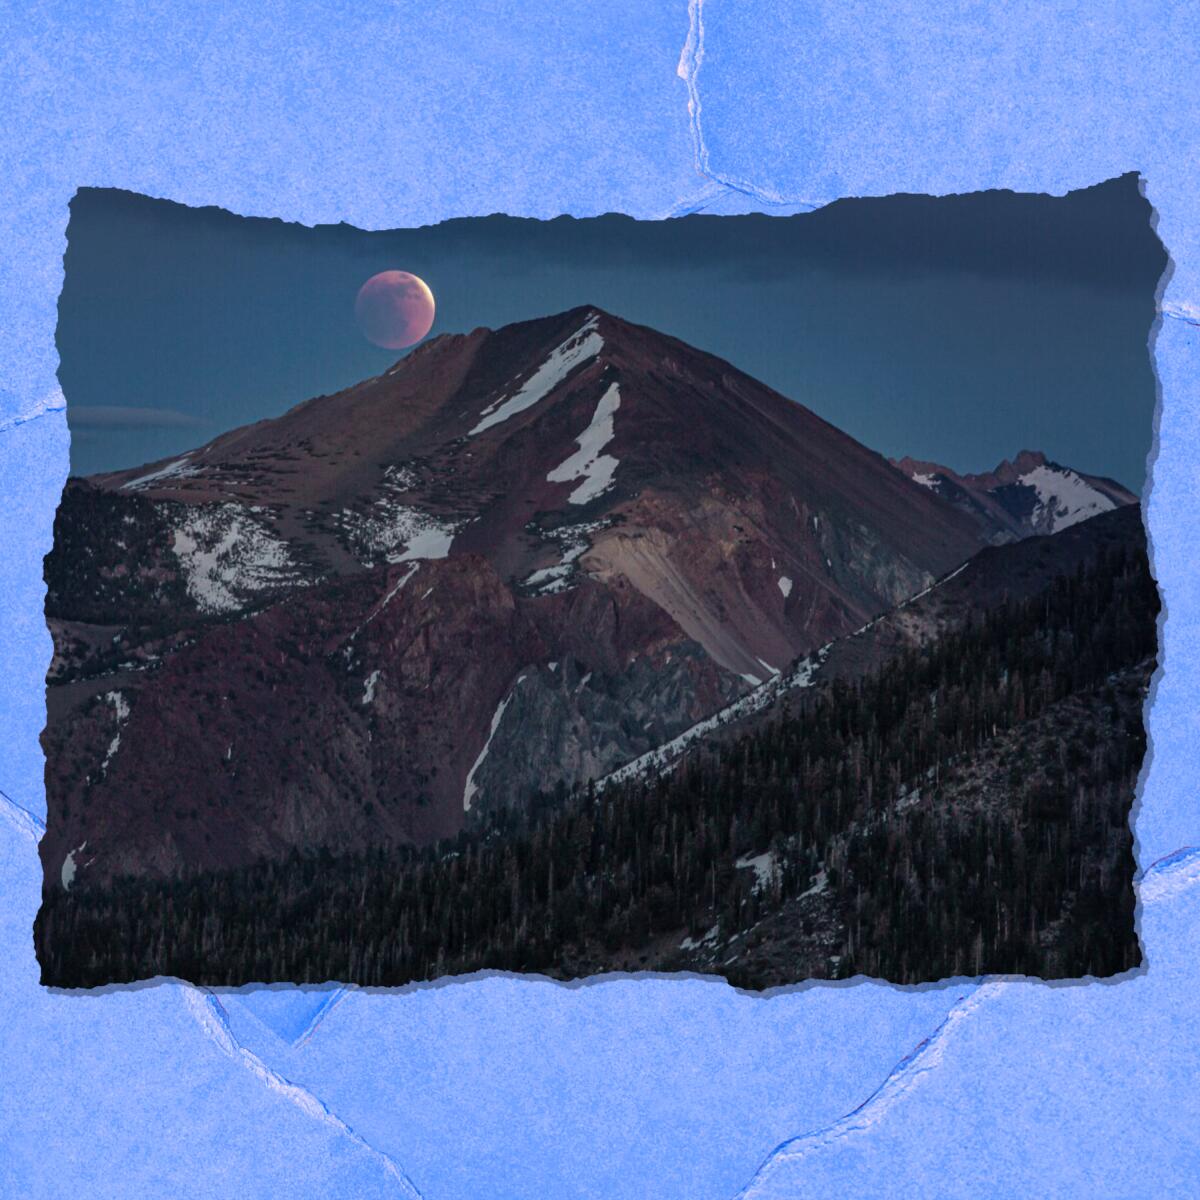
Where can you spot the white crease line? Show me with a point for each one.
(1163, 880)
(1182, 310)
(212, 1019)
(22, 818)
(691, 59)
(52, 403)
(904, 1076)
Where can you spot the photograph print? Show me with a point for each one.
(757, 597)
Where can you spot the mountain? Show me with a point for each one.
(945, 792)
(507, 444)
(517, 559)
(1030, 495)
(996, 577)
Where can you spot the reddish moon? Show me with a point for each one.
(394, 309)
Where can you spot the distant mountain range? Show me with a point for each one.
(1029, 495)
(519, 559)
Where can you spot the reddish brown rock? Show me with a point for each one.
(390, 608)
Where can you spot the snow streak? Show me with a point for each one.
(588, 463)
(470, 788)
(179, 469)
(585, 343)
(801, 676)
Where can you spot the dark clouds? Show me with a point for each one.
(960, 328)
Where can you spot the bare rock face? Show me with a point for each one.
(516, 558)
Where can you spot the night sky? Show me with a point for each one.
(960, 329)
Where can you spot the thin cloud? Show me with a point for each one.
(117, 416)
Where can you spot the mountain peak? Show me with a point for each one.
(579, 446)
(1028, 495)
(442, 342)
(567, 318)
(575, 527)
(1008, 472)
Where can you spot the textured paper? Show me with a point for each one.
(671, 1089)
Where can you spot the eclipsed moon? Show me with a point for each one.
(394, 309)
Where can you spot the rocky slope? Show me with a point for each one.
(951, 798)
(517, 557)
(997, 575)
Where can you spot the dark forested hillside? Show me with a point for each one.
(112, 561)
(963, 810)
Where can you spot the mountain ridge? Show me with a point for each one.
(1029, 495)
(573, 534)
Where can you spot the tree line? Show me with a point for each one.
(1040, 883)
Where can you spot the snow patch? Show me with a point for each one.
(574, 541)
(225, 554)
(400, 478)
(819, 885)
(785, 586)
(802, 676)
(69, 866)
(121, 707)
(690, 943)
(397, 532)
(369, 687)
(764, 868)
(582, 345)
(556, 578)
(431, 541)
(588, 463)
(179, 469)
(470, 789)
(1064, 498)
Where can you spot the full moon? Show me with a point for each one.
(394, 309)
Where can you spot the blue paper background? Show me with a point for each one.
(387, 115)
